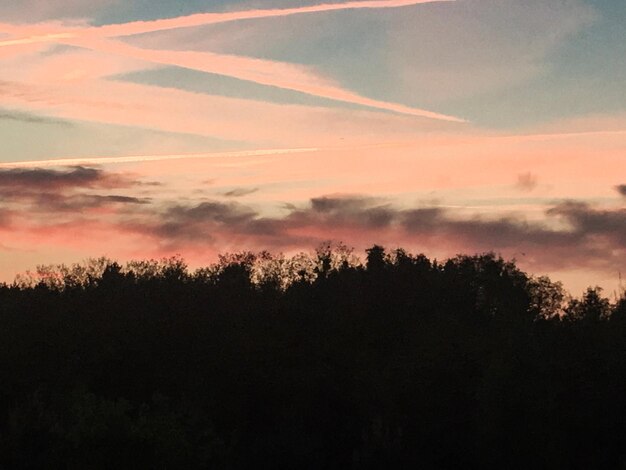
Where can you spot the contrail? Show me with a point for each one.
(184, 156)
(263, 72)
(266, 152)
(150, 158)
(562, 135)
(55, 37)
(201, 19)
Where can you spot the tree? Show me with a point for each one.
(592, 308)
(547, 298)
(376, 259)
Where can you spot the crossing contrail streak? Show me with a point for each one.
(268, 152)
(150, 158)
(563, 135)
(199, 19)
(264, 72)
(53, 37)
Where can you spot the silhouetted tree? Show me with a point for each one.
(593, 307)
(267, 361)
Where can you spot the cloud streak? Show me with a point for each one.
(202, 19)
(149, 158)
(264, 123)
(240, 192)
(67, 190)
(50, 38)
(78, 177)
(264, 72)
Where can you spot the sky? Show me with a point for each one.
(150, 128)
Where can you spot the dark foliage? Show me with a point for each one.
(310, 363)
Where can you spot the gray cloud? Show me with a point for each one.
(199, 222)
(218, 212)
(240, 192)
(67, 190)
(38, 179)
(588, 221)
(78, 202)
(587, 236)
(346, 211)
(621, 189)
(593, 237)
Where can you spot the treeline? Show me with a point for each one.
(321, 362)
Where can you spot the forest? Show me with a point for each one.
(312, 361)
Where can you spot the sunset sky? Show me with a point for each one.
(196, 127)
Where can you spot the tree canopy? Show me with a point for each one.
(267, 361)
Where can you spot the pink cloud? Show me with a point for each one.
(264, 72)
(172, 110)
(270, 73)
